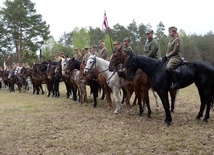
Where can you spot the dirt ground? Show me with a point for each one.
(38, 125)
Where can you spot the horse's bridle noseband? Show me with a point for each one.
(94, 64)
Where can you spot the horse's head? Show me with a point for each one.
(118, 57)
(130, 66)
(70, 65)
(115, 60)
(90, 64)
(64, 64)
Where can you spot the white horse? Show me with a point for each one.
(112, 78)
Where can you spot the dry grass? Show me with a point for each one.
(35, 124)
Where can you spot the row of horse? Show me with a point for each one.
(142, 73)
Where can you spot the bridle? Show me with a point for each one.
(94, 65)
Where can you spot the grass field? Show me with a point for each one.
(35, 124)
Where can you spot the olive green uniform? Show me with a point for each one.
(78, 56)
(127, 49)
(103, 53)
(151, 48)
(173, 53)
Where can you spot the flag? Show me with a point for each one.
(40, 54)
(8, 58)
(5, 65)
(105, 23)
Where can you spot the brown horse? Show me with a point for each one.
(140, 82)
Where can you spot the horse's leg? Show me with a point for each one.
(145, 94)
(207, 114)
(85, 97)
(124, 94)
(173, 94)
(103, 94)
(139, 103)
(41, 88)
(202, 99)
(116, 92)
(209, 95)
(163, 94)
(95, 92)
(129, 91)
(57, 88)
(156, 99)
(108, 91)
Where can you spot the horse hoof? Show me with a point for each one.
(94, 106)
(149, 116)
(167, 122)
(198, 118)
(140, 114)
(205, 120)
(117, 111)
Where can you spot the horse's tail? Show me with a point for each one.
(212, 102)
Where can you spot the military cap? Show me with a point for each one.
(116, 43)
(75, 49)
(100, 41)
(127, 39)
(93, 46)
(61, 53)
(172, 28)
(149, 31)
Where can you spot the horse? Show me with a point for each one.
(113, 79)
(95, 79)
(37, 73)
(140, 82)
(199, 72)
(52, 79)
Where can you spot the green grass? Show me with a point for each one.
(35, 124)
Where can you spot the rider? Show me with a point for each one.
(151, 45)
(126, 46)
(174, 56)
(103, 51)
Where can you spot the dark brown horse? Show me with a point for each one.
(199, 72)
(140, 82)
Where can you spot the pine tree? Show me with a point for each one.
(23, 29)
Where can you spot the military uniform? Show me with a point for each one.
(151, 48)
(103, 51)
(173, 53)
(127, 48)
(174, 56)
(78, 56)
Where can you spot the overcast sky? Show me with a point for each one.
(193, 16)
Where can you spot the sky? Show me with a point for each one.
(192, 16)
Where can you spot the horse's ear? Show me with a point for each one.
(73, 58)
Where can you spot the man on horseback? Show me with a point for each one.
(151, 45)
(174, 56)
(103, 51)
(126, 46)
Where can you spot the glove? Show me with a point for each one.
(165, 58)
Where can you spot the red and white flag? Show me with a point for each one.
(105, 23)
(5, 65)
(9, 56)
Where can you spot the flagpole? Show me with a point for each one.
(109, 32)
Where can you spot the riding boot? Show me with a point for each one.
(175, 84)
